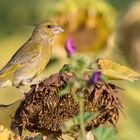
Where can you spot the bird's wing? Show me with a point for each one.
(27, 53)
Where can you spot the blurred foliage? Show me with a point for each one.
(130, 31)
(105, 133)
(19, 13)
(121, 5)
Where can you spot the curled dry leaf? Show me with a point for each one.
(115, 71)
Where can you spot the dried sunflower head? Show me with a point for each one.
(44, 110)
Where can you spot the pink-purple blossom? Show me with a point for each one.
(96, 76)
(70, 47)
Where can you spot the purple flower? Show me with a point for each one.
(96, 76)
(70, 47)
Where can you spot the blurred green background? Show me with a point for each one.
(100, 28)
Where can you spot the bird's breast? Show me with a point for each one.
(45, 54)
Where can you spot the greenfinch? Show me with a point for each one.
(31, 58)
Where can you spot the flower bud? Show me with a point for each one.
(94, 78)
(70, 47)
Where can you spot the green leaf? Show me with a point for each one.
(105, 133)
(8, 112)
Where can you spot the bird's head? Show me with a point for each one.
(47, 29)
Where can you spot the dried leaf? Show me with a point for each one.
(6, 134)
(115, 71)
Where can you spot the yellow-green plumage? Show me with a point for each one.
(31, 58)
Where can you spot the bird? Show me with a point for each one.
(32, 57)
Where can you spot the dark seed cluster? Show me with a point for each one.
(44, 110)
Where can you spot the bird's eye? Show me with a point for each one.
(49, 26)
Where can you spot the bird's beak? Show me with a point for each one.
(57, 30)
